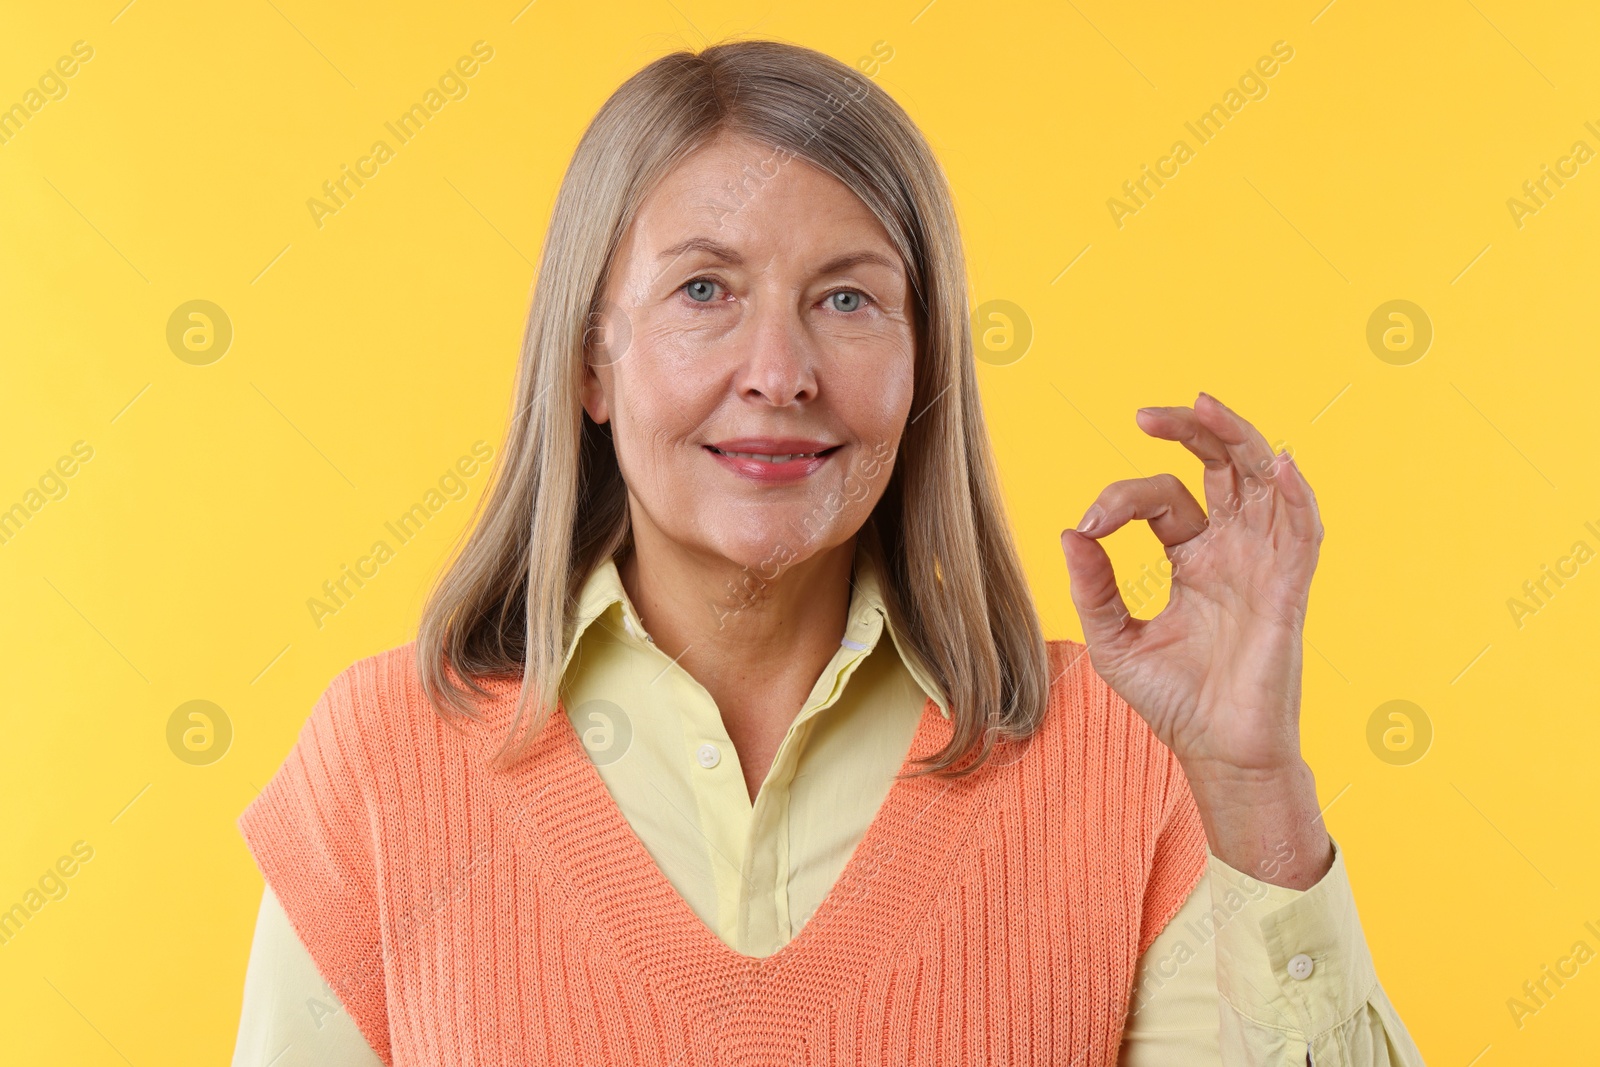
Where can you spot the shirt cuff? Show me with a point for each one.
(1290, 959)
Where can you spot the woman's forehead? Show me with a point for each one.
(723, 208)
(736, 178)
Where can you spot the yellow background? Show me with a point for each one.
(370, 353)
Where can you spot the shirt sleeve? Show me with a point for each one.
(1179, 860)
(1172, 1014)
(309, 832)
(291, 1017)
(1252, 973)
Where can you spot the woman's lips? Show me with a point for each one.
(752, 461)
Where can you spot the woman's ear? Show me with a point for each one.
(594, 395)
(605, 342)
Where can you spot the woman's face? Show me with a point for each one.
(756, 310)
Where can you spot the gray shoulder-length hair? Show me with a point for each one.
(557, 505)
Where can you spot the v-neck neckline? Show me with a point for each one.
(566, 820)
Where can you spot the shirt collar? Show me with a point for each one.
(603, 595)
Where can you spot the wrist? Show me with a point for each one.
(1264, 822)
(1291, 776)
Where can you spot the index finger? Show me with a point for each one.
(1232, 450)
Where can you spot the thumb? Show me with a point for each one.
(1094, 588)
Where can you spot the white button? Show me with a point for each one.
(708, 755)
(633, 631)
(1300, 967)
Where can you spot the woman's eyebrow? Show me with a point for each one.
(717, 249)
(851, 259)
(730, 255)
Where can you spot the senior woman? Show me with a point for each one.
(731, 736)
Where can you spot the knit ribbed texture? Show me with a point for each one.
(471, 916)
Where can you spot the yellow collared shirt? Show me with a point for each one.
(1245, 973)
(753, 872)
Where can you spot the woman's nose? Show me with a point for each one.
(780, 364)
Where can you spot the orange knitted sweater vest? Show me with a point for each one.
(470, 916)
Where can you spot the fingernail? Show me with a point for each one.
(1091, 519)
(1149, 411)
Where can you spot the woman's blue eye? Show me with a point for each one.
(703, 290)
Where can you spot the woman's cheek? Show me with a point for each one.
(856, 488)
(684, 364)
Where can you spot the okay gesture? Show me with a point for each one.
(1216, 673)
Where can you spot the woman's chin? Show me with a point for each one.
(769, 550)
